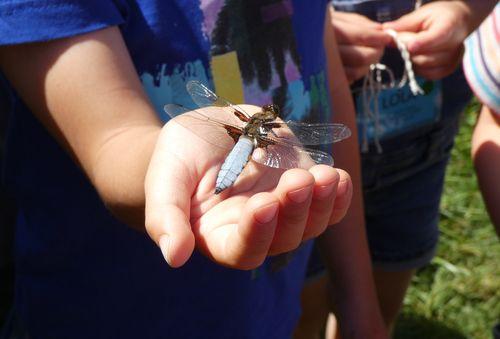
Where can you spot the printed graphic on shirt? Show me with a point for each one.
(170, 87)
(253, 59)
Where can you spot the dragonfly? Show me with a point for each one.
(262, 137)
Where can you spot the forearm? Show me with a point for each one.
(486, 157)
(119, 173)
(344, 246)
(477, 11)
(85, 91)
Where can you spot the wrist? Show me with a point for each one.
(119, 169)
(474, 12)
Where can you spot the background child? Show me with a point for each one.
(482, 69)
(403, 179)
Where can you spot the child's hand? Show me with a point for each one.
(267, 212)
(434, 35)
(361, 42)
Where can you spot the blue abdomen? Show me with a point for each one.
(234, 164)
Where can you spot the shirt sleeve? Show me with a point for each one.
(481, 62)
(23, 21)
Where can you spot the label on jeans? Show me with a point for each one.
(399, 111)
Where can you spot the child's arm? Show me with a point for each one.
(486, 157)
(86, 93)
(85, 90)
(345, 245)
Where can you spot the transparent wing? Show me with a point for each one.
(210, 123)
(210, 116)
(285, 156)
(203, 97)
(300, 133)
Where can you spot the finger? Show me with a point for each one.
(438, 65)
(435, 73)
(342, 199)
(168, 190)
(411, 22)
(437, 59)
(404, 37)
(349, 34)
(355, 18)
(326, 180)
(437, 38)
(424, 37)
(359, 56)
(356, 73)
(245, 245)
(294, 191)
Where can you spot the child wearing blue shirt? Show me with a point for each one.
(88, 80)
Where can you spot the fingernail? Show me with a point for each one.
(267, 213)
(323, 191)
(164, 246)
(299, 195)
(342, 188)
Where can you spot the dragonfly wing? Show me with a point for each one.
(300, 133)
(286, 157)
(208, 123)
(203, 97)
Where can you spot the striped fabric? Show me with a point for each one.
(482, 61)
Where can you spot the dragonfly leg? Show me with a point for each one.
(240, 115)
(233, 132)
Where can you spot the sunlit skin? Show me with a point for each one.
(223, 223)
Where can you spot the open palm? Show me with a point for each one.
(266, 212)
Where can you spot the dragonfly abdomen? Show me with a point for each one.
(234, 163)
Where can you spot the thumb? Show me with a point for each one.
(411, 22)
(168, 189)
(430, 35)
(431, 39)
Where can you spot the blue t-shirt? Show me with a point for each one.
(83, 274)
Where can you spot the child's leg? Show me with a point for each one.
(486, 156)
(391, 289)
(402, 214)
(315, 308)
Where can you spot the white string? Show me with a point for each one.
(373, 85)
(405, 55)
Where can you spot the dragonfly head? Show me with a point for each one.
(271, 110)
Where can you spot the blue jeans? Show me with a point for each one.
(402, 188)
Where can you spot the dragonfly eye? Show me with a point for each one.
(273, 109)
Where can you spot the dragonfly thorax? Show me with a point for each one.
(254, 128)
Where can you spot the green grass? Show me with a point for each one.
(458, 294)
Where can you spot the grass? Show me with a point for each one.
(458, 294)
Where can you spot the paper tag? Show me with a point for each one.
(399, 110)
